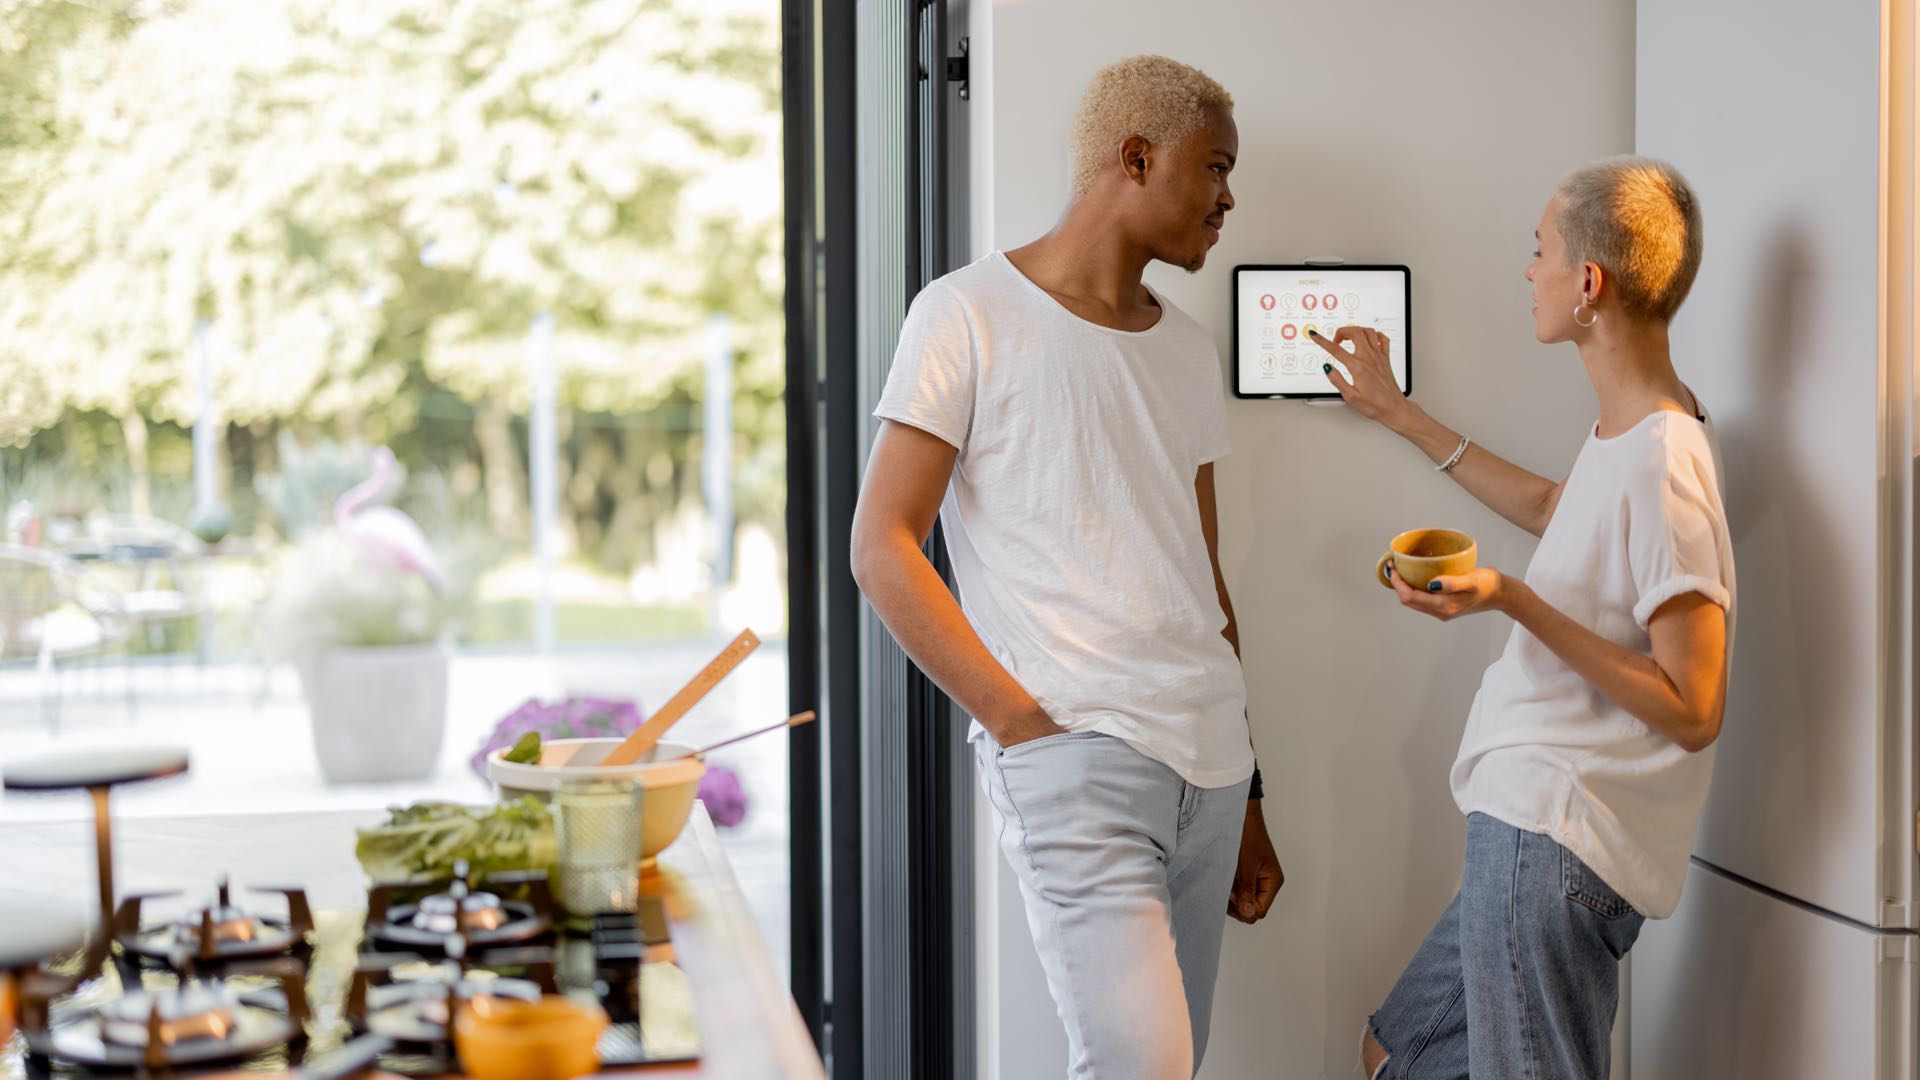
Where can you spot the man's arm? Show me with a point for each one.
(1210, 528)
(906, 479)
(1257, 877)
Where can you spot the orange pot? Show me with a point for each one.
(9, 1007)
(550, 1039)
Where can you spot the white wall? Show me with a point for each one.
(1420, 133)
(1799, 333)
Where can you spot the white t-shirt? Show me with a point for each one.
(1639, 522)
(1071, 517)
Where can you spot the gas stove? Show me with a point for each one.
(225, 983)
(196, 1021)
(214, 935)
(213, 986)
(475, 912)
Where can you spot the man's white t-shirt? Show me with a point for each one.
(1071, 517)
(1639, 522)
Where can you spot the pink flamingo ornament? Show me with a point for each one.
(382, 533)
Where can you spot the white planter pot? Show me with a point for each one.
(377, 713)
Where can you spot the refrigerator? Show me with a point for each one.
(1795, 949)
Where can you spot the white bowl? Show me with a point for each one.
(670, 773)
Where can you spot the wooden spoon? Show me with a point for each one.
(650, 733)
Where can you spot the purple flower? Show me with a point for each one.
(726, 800)
(573, 718)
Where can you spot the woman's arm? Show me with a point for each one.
(1505, 488)
(1680, 691)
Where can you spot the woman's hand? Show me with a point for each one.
(1372, 392)
(1450, 596)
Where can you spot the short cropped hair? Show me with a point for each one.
(1639, 220)
(1160, 100)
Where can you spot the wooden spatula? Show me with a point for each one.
(655, 728)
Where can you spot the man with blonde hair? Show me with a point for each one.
(1061, 417)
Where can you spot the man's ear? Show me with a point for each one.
(1136, 157)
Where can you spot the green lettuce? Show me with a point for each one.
(526, 750)
(422, 842)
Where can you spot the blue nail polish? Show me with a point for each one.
(1326, 369)
(1433, 586)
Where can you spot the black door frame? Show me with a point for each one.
(935, 913)
(817, 99)
(827, 671)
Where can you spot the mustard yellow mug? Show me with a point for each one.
(1420, 555)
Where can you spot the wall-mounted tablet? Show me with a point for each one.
(1274, 307)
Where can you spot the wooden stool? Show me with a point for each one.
(99, 772)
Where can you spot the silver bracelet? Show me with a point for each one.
(1458, 453)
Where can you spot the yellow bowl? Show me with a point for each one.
(549, 1039)
(670, 773)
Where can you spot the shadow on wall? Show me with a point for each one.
(1408, 781)
(1358, 708)
(1773, 707)
(1772, 704)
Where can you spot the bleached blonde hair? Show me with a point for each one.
(1639, 220)
(1158, 99)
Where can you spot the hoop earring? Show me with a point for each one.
(1585, 305)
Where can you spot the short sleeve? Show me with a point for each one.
(1213, 440)
(1675, 535)
(931, 383)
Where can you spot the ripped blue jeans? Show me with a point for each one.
(1520, 978)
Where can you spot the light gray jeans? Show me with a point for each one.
(1125, 869)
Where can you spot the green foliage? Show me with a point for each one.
(363, 206)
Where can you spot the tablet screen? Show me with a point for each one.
(1275, 307)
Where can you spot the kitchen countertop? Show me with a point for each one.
(748, 1024)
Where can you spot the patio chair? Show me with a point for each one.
(161, 563)
(53, 610)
